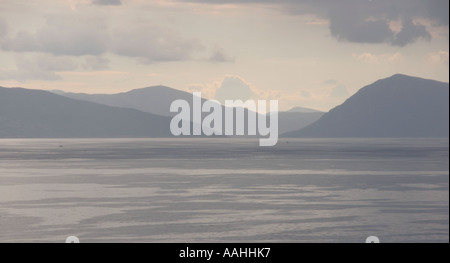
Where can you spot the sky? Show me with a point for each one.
(309, 53)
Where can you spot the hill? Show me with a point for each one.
(398, 106)
(157, 100)
(40, 114)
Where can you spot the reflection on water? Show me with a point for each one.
(224, 190)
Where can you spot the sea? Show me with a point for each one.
(224, 190)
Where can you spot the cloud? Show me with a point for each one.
(439, 10)
(3, 31)
(340, 91)
(394, 58)
(367, 57)
(219, 55)
(48, 67)
(383, 58)
(195, 88)
(81, 35)
(353, 28)
(37, 69)
(96, 63)
(334, 90)
(363, 21)
(152, 43)
(233, 88)
(3, 28)
(368, 29)
(208, 90)
(106, 2)
(51, 63)
(62, 36)
(330, 82)
(439, 57)
(410, 33)
(305, 94)
(40, 67)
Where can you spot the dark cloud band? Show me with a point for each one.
(364, 21)
(107, 2)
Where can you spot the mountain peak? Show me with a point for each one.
(405, 80)
(399, 75)
(398, 106)
(302, 110)
(158, 88)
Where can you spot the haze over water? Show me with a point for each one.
(224, 190)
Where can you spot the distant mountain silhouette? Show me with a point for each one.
(40, 114)
(303, 110)
(398, 106)
(292, 121)
(157, 100)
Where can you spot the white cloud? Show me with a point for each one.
(234, 88)
(366, 57)
(391, 58)
(394, 58)
(439, 57)
(208, 90)
(339, 91)
(80, 35)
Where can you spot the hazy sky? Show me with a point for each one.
(311, 53)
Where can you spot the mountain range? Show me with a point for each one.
(398, 106)
(157, 100)
(28, 113)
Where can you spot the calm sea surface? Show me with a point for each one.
(224, 190)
